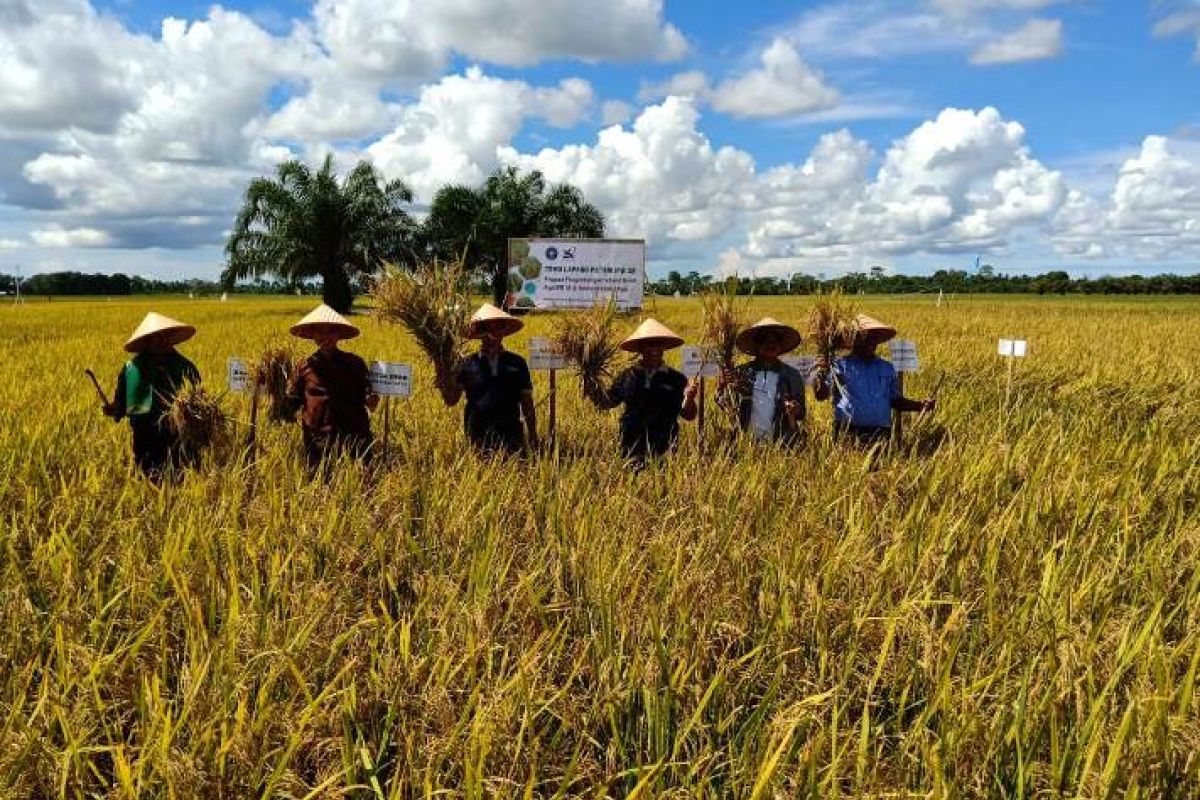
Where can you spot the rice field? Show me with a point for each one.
(1008, 606)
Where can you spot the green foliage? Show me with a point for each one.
(302, 225)
(476, 223)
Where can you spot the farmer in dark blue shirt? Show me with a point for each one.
(497, 386)
(655, 396)
(864, 387)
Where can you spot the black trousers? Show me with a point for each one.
(867, 435)
(319, 447)
(156, 447)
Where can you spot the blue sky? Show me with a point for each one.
(766, 137)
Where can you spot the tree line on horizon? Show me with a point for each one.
(79, 284)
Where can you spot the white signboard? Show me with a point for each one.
(238, 375)
(575, 273)
(699, 361)
(391, 380)
(805, 365)
(1013, 348)
(543, 355)
(904, 355)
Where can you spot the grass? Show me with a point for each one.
(1012, 614)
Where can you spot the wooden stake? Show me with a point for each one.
(898, 416)
(387, 427)
(250, 441)
(553, 421)
(700, 411)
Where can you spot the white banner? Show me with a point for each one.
(238, 375)
(1013, 348)
(903, 355)
(543, 355)
(390, 379)
(575, 273)
(699, 361)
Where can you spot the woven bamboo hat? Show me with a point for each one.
(873, 330)
(747, 340)
(172, 330)
(488, 317)
(651, 333)
(323, 322)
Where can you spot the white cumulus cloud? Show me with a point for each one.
(402, 40)
(452, 132)
(781, 86)
(70, 237)
(1036, 40)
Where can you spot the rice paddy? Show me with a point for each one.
(1008, 606)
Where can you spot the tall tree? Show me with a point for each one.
(476, 223)
(304, 224)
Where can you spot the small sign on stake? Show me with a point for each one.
(390, 379)
(699, 361)
(238, 375)
(903, 354)
(1012, 348)
(543, 355)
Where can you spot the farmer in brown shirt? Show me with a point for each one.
(332, 390)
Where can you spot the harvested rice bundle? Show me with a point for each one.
(724, 317)
(832, 324)
(272, 372)
(198, 420)
(433, 303)
(591, 343)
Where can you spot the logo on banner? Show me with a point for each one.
(551, 253)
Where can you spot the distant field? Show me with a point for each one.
(999, 610)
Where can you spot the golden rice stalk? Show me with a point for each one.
(272, 372)
(590, 343)
(197, 418)
(723, 317)
(831, 324)
(433, 303)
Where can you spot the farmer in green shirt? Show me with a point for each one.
(146, 388)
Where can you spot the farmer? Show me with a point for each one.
(146, 388)
(497, 385)
(864, 387)
(655, 396)
(767, 394)
(332, 390)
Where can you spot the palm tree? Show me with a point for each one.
(303, 224)
(477, 223)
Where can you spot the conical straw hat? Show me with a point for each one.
(872, 329)
(651, 332)
(323, 322)
(747, 340)
(493, 319)
(174, 331)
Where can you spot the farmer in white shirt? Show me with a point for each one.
(767, 394)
